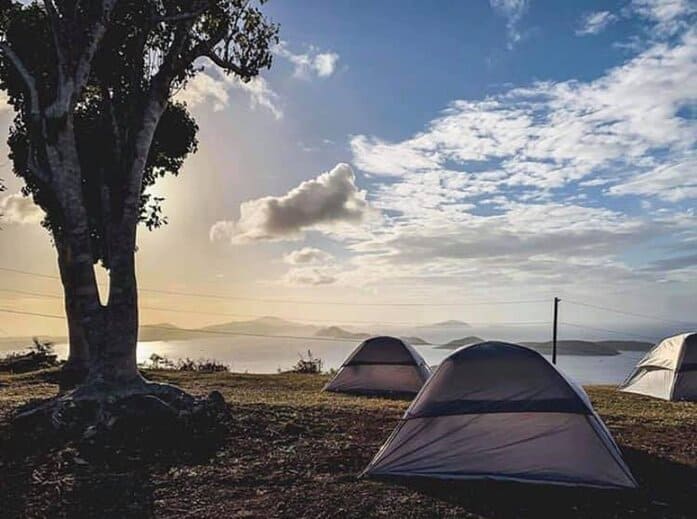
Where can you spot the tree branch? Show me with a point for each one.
(227, 65)
(70, 89)
(28, 79)
(58, 39)
(181, 17)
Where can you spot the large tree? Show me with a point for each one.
(92, 84)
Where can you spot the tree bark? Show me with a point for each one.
(115, 363)
(76, 368)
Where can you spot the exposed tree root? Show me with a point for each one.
(141, 418)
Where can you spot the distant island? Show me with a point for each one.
(416, 341)
(589, 348)
(452, 323)
(339, 333)
(567, 347)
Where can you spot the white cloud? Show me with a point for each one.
(671, 182)
(513, 10)
(499, 188)
(669, 16)
(20, 209)
(309, 276)
(595, 22)
(311, 63)
(204, 88)
(307, 255)
(260, 94)
(328, 201)
(551, 134)
(4, 104)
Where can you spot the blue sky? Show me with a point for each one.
(462, 151)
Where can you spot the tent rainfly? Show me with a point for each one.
(381, 366)
(668, 370)
(500, 411)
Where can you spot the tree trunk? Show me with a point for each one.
(75, 369)
(115, 361)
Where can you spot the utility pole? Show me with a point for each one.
(554, 330)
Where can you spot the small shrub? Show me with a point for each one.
(202, 366)
(308, 364)
(160, 362)
(41, 348)
(157, 361)
(39, 356)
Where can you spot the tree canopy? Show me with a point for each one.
(144, 50)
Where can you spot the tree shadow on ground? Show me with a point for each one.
(101, 471)
(666, 489)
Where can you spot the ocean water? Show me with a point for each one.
(270, 354)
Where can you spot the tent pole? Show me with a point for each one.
(554, 330)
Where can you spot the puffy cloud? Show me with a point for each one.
(4, 104)
(595, 22)
(204, 88)
(332, 199)
(311, 63)
(513, 11)
(307, 255)
(20, 209)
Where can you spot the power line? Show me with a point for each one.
(633, 314)
(576, 325)
(297, 301)
(27, 273)
(228, 314)
(35, 314)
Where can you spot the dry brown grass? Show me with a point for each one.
(293, 451)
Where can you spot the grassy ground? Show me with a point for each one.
(292, 451)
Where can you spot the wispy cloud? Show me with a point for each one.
(596, 22)
(668, 16)
(307, 256)
(313, 63)
(211, 88)
(499, 188)
(513, 11)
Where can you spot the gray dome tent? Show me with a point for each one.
(667, 371)
(500, 411)
(381, 366)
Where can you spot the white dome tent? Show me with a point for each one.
(668, 371)
(500, 411)
(381, 366)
